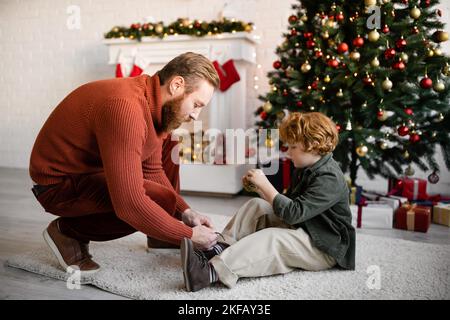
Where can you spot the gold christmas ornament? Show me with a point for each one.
(415, 13)
(331, 23)
(369, 3)
(386, 1)
(375, 62)
(405, 154)
(383, 145)
(340, 94)
(373, 36)
(409, 171)
(440, 36)
(439, 86)
(267, 107)
(159, 28)
(355, 55)
(362, 150)
(304, 18)
(249, 187)
(248, 28)
(325, 35)
(437, 52)
(387, 84)
(404, 57)
(306, 67)
(327, 79)
(430, 52)
(446, 70)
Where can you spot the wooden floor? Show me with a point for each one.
(22, 221)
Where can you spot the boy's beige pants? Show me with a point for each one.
(261, 244)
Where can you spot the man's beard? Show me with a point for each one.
(171, 116)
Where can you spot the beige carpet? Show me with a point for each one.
(408, 270)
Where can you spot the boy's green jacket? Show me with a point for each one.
(318, 202)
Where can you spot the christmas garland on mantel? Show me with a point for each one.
(197, 28)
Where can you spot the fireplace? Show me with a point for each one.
(227, 110)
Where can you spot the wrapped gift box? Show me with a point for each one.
(372, 216)
(412, 217)
(441, 214)
(414, 189)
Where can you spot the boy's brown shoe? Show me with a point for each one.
(69, 251)
(196, 269)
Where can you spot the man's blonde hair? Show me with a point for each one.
(314, 131)
(192, 67)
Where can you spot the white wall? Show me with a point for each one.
(42, 60)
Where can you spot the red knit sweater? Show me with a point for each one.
(112, 126)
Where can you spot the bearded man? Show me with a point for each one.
(102, 161)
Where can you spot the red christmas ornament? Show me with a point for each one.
(426, 83)
(277, 64)
(319, 53)
(408, 111)
(340, 16)
(310, 44)
(285, 93)
(338, 127)
(293, 19)
(197, 24)
(333, 63)
(263, 115)
(342, 47)
(399, 65)
(400, 44)
(380, 113)
(427, 3)
(414, 137)
(314, 85)
(293, 32)
(307, 35)
(389, 53)
(358, 42)
(367, 80)
(299, 104)
(385, 29)
(403, 131)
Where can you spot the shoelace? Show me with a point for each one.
(203, 259)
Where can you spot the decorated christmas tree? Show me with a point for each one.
(377, 69)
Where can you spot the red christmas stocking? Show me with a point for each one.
(119, 73)
(138, 67)
(228, 74)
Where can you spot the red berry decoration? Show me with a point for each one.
(380, 113)
(314, 85)
(319, 53)
(263, 115)
(427, 3)
(414, 137)
(408, 111)
(299, 104)
(293, 19)
(293, 32)
(285, 93)
(367, 80)
(307, 35)
(333, 63)
(399, 65)
(415, 30)
(310, 44)
(358, 42)
(400, 44)
(277, 64)
(403, 131)
(385, 29)
(340, 16)
(389, 53)
(343, 47)
(426, 83)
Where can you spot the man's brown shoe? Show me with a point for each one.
(69, 251)
(153, 243)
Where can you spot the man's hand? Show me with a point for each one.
(203, 237)
(193, 218)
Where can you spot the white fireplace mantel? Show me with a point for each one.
(227, 110)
